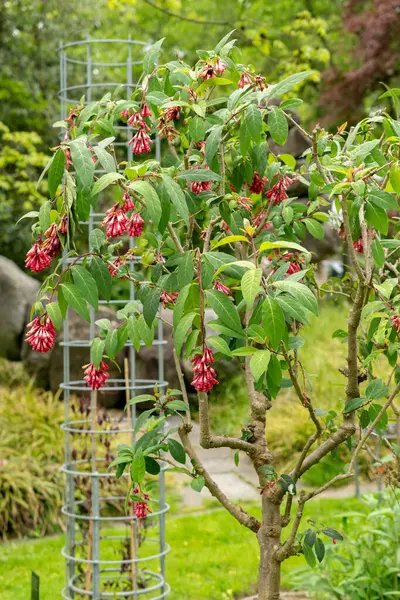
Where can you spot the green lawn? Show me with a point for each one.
(212, 557)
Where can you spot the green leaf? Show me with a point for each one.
(185, 270)
(244, 351)
(376, 389)
(112, 343)
(54, 312)
(394, 178)
(212, 144)
(145, 332)
(354, 404)
(83, 163)
(310, 538)
(285, 85)
(198, 483)
(44, 216)
(200, 175)
(333, 534)
(309, 555)
(56, 172)
(300, 292)
(86, 284)
(219, 344)
(363, 150)
(97, 239)
(197, 129)
(152, 466)
(250, 285)
(273, 245)
(383, 199)
(291, 307)
(106, 159)
(259, 363)
(181, 331)
(315, 228)
(151, 56)
(378, 253)
(102, 276)
(273, 321)
(150, 197)
(224, 308)
(97, 350)
(141, 398)
(151, 305)
(319, 549)
(177, 405)
(253, 122)
(104, 181)
(179, 308)
(133, 333)
(176, 196)
(177, 451)
(278, 126)
(230, 239)
(75, 300)
(138, 467)
(377, 217)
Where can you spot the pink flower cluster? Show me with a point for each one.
(211, 70)
(220, 287)
(257, 185)
(96, 377)
(395, 320)
(41, 335)
(117, 221)
(295, 265)
(278, 192)
(141, 507)
(141, 141)
(168, 298)
(358, 246)
(205, 376)
(39, 256)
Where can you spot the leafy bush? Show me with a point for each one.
(31, 449)
(21, 163)
(366, 566)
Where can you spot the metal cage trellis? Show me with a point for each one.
(97, 525)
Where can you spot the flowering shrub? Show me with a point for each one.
(218, 228)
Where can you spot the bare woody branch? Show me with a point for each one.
(240, 515)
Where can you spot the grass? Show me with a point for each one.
(212, 556)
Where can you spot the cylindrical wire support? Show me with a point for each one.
(109, 552)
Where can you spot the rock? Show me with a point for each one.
(18, 293)
(295, 144)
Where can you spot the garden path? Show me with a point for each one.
(239, 483)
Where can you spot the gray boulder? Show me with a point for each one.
(17, 293)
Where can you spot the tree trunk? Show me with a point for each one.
(269, 539)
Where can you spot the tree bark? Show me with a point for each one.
(269, 539)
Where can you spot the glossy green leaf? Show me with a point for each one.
(102, 276)
(104, 181)
(56, 172)
(75, 300)
(273, 321)
(96, 351)
(54, 312)
(259, 363)
(83, 163)
(150, 197)
(250, 285)
(278, 126)
(182, 330)
(225, 309)
(86, 284)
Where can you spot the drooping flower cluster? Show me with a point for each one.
(278, 192)
(36, 258)
(257, 185)
(141, 141)
(211, 70)
(244, 202)
(258, 219)
(395, 320)
(39, 256)
(220, 287)
(358, 246)
(200, 186)
(295, 264)
(205, 376)
(117, 221)
(41, 335)
(168, 298)
(141, 508)
(96, 378)
(114, 266)
(245, 79)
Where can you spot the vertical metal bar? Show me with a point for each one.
(62, 93)
(161, 376)
(95, 479)
(88, 73)
(128, 94)
(69, 480)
